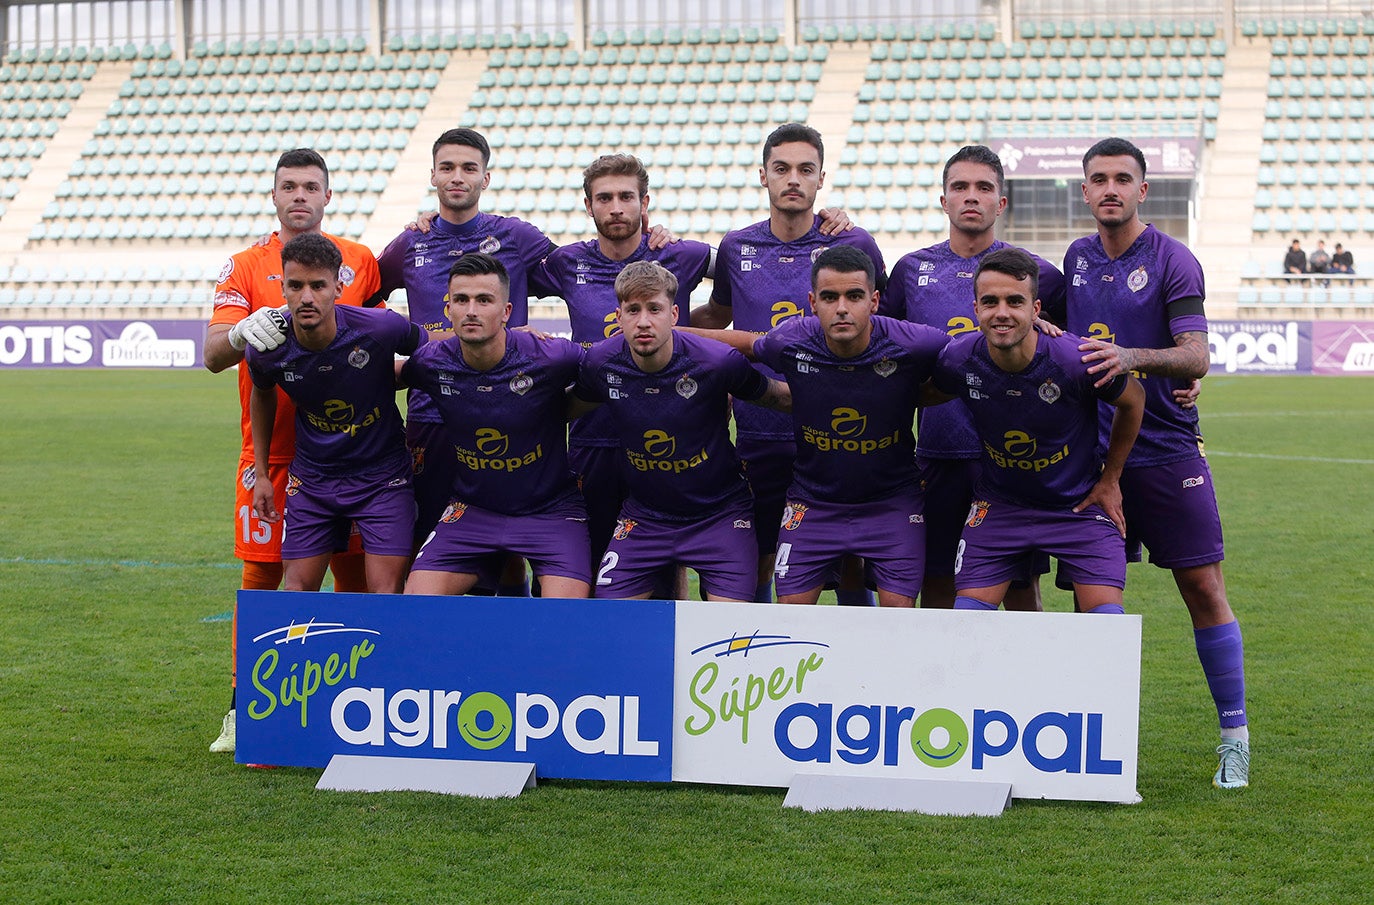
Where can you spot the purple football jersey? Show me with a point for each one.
(506, 424)
(345, 395)
(852, 416)
(420, 262)
(765, 281)
(934, 286)
(1127, 301)
(585, 278)
(1038, 428)
(674, 424)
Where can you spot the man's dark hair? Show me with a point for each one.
(976, 154)
(477, 264)
(1013, 262)
(314, 251)
(302, 157)
(469, 137)
(791, 132)
(844, 259)
(1115, 147)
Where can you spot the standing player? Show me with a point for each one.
(668, 395)
(350, 467)
(245, 313)
(616, 189)
(1137, 295)
(934, 286)
(420, 262)
(763, 277)
(1043, 488)
(503, 399)
(855, 381)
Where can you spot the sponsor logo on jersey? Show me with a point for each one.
(792, 516)
(359, 358)
(973, 380)
(421, 260)
(248, 477)
(1081, 264)
(784, 311)
(927, 267)
(231, 300)
(490, 245)
(1049, 392)
(339, 418)
(746, 266)
(977, 512)
(289, 377)
(293, 484)
(1078, 280)
(747, 250)
(453, 512)
(226, 271)
(686, 387)
(520, 384)
(1019, 452)
(623, 527)
(1194, 482)
(493, 452)
(786, 259)
(1138, 279)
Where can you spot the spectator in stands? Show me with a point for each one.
(1342, 261)
(1296, 260)
(1319, 260)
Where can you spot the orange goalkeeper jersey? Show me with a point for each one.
(251, 280)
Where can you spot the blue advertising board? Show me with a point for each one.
(581, 688)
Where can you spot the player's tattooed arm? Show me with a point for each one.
(1130, 410)
(1187, 360)
(778, 396)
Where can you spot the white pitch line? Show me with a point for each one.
(1245, 455)
(1268, 414)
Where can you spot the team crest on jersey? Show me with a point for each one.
(490, 245)
(623, 527)
(1138, 278)
(1049, 392)
(885, 368)
(359, 358)
(226, 271)
(453, 512)
(520, 384)
(792, 516)
(346, 275)
(248, 477)
(977, 512)
(293, 484)
(686, 387)
(417, 460)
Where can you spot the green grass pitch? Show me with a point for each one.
(115, 501)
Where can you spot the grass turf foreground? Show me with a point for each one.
(115, 518)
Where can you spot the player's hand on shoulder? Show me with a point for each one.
(660, 236)
(1105, 359)
(834, 221)
(1049, 328)
(264, 330)
(1187, 397)
(422, 222)
(533, 331)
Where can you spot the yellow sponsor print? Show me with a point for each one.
(1101, 331)
(1019, 451)
(660, 447)
(847, 426)
(612, 325)
(338, 418)
(491, 453)
(958, 325)
(784, 311)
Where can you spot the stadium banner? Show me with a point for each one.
(1049, 702)
(1343, 347)
(580, 688)
(1260, 347)
(102, 344)
(1062, 158)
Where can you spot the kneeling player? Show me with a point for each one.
(351, 463)
(503, 399)
(1043, 486)
(668, 395)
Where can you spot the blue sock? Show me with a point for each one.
(968, 603)
(1116, 608)
(1222, 654)
(764, 592)
(855, 597)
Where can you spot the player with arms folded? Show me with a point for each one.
(1043, 488)
(1137, 296)
(337, 365)
(668, 394)
(503, 399)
